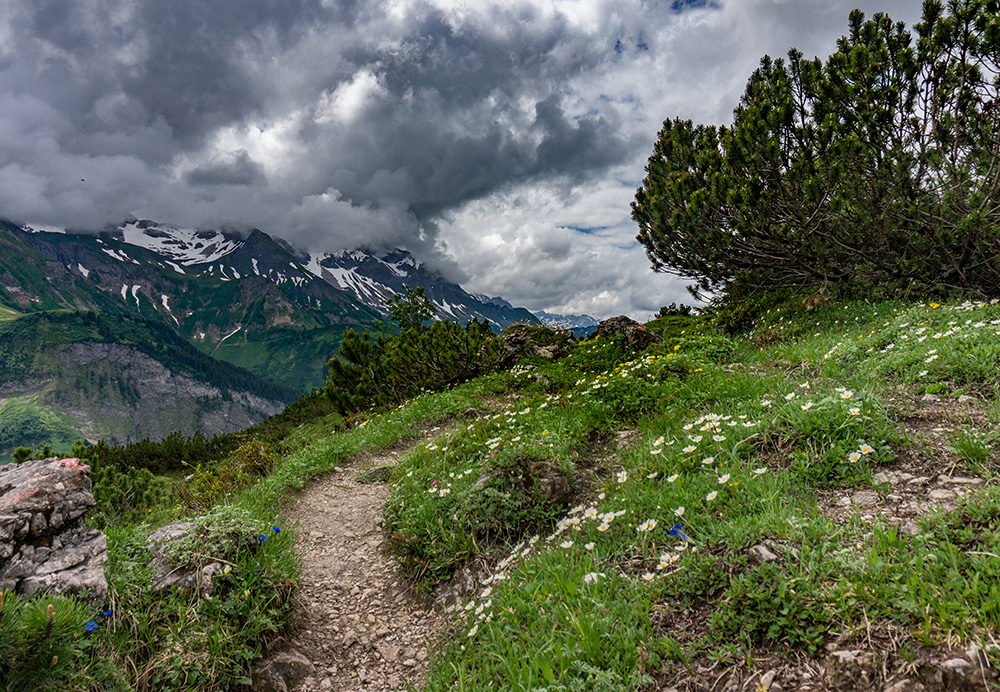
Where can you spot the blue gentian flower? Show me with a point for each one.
(91, 626)
(107, 613)
(679, 533)
(261, 538)
(276, 529)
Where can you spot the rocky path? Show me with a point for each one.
(360, 626)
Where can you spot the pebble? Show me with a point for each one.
(864, 498)
(956, 664)
(905, 685)
(762, 553)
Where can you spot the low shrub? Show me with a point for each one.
(374, 371)
(247, 463)
(40, 638)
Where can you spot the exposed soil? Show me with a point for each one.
(926, 475)
(361, 626)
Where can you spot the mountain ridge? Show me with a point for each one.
(242, 296)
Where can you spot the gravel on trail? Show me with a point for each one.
(361, 626)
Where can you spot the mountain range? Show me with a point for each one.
(246, 299)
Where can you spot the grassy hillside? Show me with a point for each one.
(27, 342)
(278, 332)
(713, 507)
(294, 357)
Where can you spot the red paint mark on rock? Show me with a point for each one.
(74, 463)
(20, 495)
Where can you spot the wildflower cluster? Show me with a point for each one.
(931, 344)
(94, 624)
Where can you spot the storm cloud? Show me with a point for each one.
(500, 141)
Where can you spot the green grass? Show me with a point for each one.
(734, 455)
(176, 640)
(616, 497)
(26, 422)
(7, 313)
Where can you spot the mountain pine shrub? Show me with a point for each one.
(874, 172)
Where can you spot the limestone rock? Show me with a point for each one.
(459, 589)
(44, 545)
(521, 341)
(282, 671)
(168, 575)
(864, 498)
(636, 335)
(762, 553)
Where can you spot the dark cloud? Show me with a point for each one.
(427, 124)
(230, 168)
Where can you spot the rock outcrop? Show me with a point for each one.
(44, 544)
(636, 335)
(167, 574)
(521, 341)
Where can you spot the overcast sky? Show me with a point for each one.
(501, 141)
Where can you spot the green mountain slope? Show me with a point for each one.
(66, 374)
(281, 325)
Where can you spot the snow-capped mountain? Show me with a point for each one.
(368, 277)
(247, 298)
(184, 246)
(374, 277)
(579, 324)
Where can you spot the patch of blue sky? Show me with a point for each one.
(681, 5)
(623, 45)
(586, 230)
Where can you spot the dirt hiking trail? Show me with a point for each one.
(361, 626)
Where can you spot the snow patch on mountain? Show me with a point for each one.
(44, 229)
(184, 245)
(238, 327)
(366, 289)
(119, 255)
(487, 300)
(314, 266)
(551, 319)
